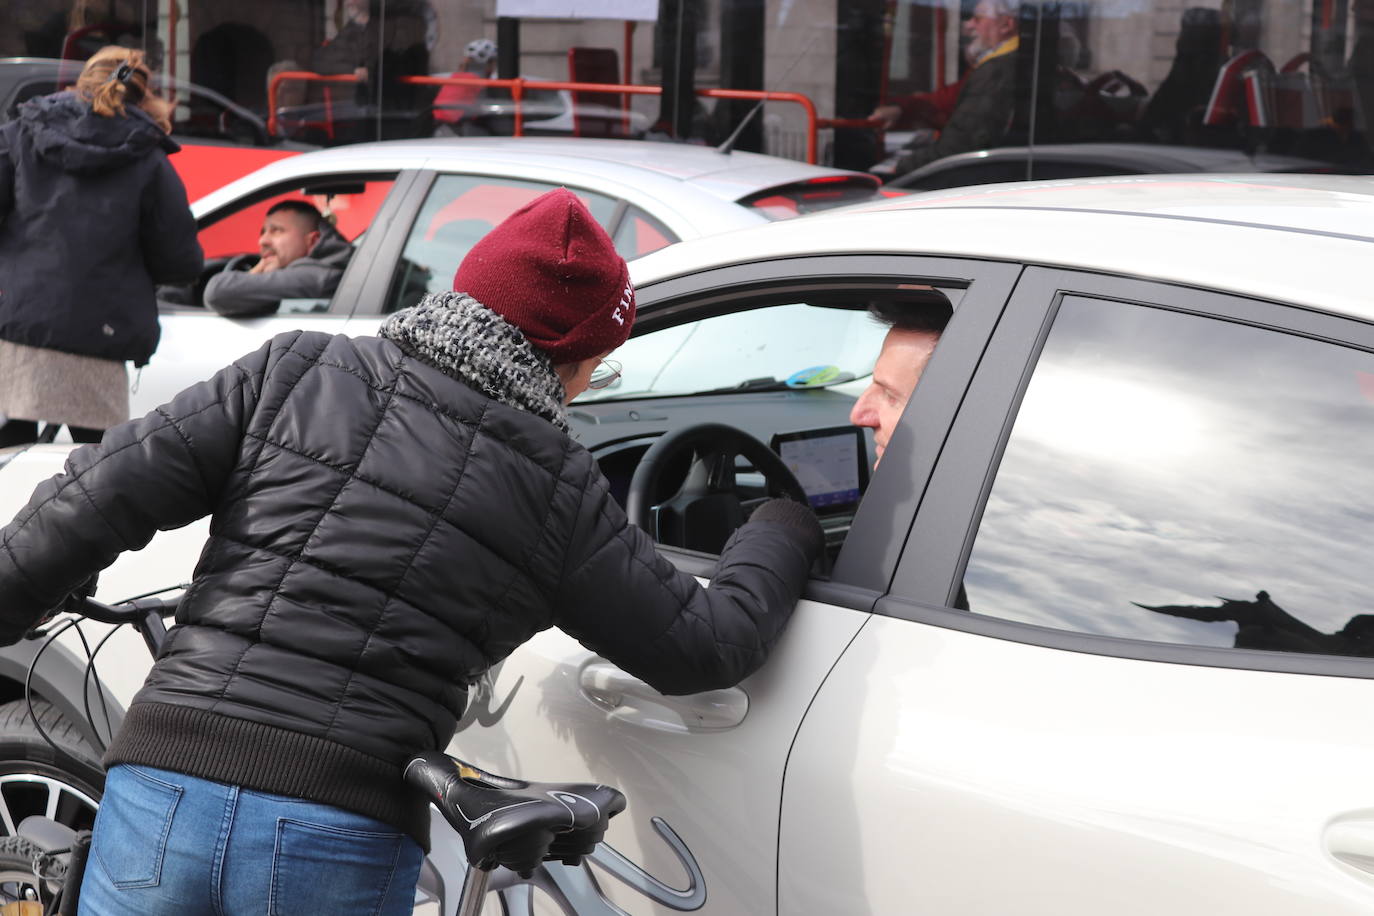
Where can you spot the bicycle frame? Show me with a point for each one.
(449, 856)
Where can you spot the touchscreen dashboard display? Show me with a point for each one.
(828, 463)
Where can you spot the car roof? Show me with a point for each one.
(1142, 157)
(1294, 238)
(727, 176)
(694, 189)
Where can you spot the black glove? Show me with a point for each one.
(70, 604)
(796, 516)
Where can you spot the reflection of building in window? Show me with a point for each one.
(1262, 624)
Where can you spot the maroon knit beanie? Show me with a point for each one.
(552, 271)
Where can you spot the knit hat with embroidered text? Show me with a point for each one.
(552, 271)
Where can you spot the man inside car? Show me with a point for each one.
(302, 256)
(914, 330)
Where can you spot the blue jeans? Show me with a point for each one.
(172, 844)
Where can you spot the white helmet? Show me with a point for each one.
(482, 50)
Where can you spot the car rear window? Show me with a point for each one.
(821, 193)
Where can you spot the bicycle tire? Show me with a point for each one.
(21, 861)
(32, 772)
(20, 738)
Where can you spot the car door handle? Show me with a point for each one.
(1352, 842)
(627, 698)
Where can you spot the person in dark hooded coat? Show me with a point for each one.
(92, 216)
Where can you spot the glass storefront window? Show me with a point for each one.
(1240, 85)
(901, 87)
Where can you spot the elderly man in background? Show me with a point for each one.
(983, 100)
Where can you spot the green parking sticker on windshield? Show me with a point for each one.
(813, 377)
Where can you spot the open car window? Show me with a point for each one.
(350, 201)
(229, 236)
(821, 343)
(704, 378)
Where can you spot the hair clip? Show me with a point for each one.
(125, 71)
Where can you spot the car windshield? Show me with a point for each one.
(777, 347)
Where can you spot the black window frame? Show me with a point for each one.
(884, 519)
(930, 571)
(350, 294)
(376, 290)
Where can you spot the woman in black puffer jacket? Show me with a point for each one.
(92, 215)
(391, 516)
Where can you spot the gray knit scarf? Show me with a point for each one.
(461, 337)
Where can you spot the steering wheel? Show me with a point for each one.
(707, 508)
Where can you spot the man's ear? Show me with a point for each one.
(314, 236)
(566, 372)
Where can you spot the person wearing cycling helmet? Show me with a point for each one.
(455, 100)
(479, 57)
(390, 517)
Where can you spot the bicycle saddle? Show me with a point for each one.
(512, 822)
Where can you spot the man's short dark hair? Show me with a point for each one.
(928, 311)
(301, 208)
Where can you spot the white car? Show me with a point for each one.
(1096, 639)
(433, 199)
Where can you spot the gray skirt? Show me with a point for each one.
(54, 387)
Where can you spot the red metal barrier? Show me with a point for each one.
(517, 88)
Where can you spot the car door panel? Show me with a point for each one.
(708, 769)
(948, 772)
(972, 764)
(567, 714)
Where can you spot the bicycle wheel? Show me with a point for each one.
(22, 891)
(64, 785)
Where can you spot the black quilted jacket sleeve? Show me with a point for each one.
(658, 623)
(159, 472)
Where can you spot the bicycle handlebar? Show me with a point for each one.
(128, 611)
(144, 614)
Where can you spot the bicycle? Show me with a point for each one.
(501, 821)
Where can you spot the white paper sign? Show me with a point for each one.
(641, 10)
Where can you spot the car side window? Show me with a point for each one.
(229, 237)
(1187, 480)
(796, 345)
(639, 233)
(458, 211)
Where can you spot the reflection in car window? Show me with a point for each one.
(639, 233)
(1186, 480)
(458, 211)
(797, 344)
